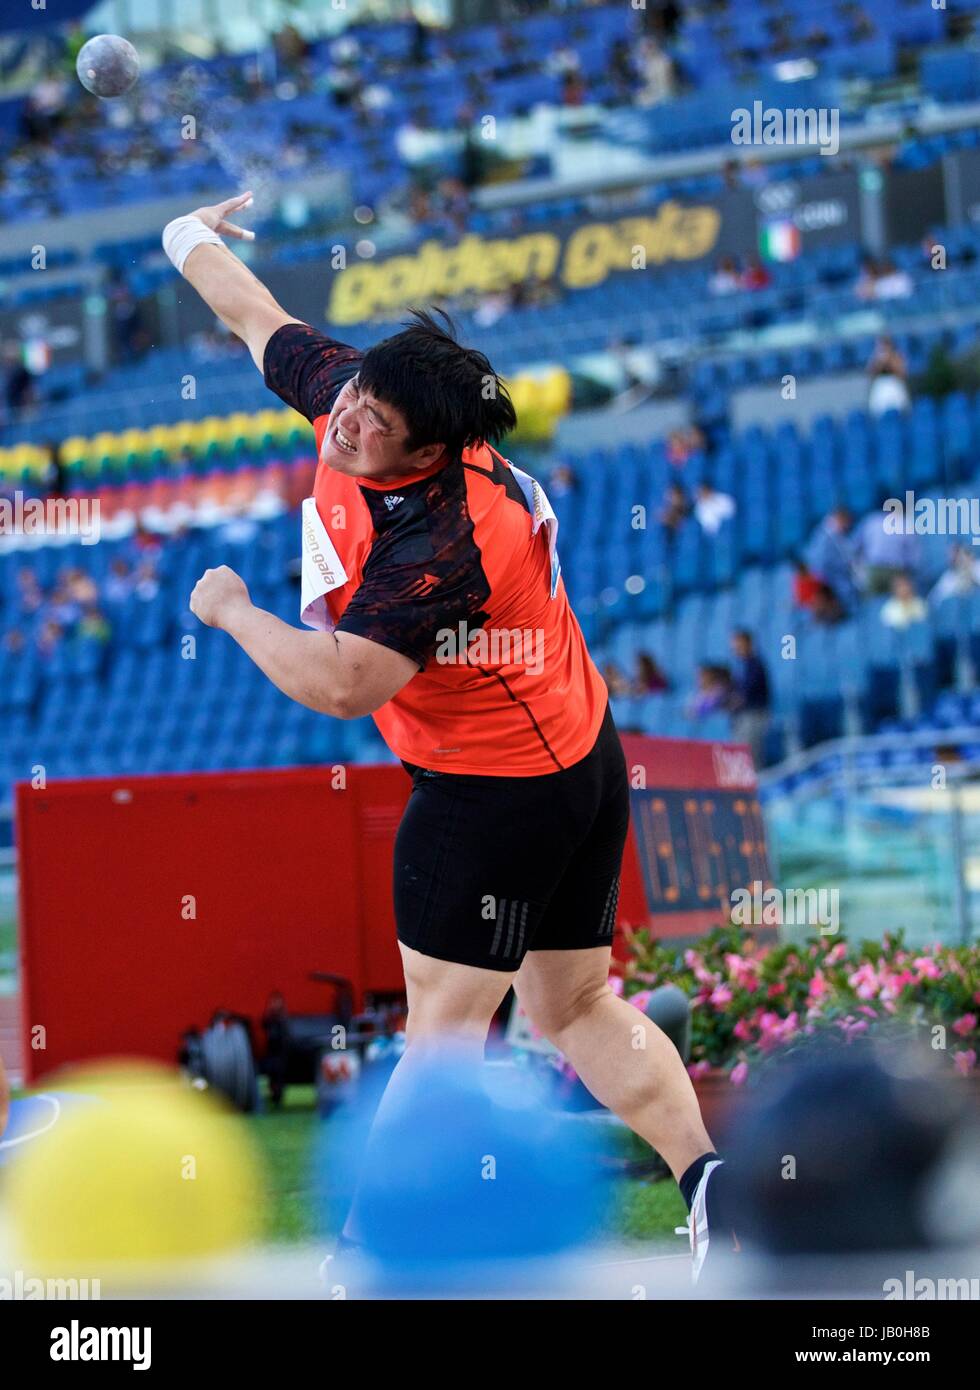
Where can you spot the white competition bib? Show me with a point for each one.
(541, 511)
(322, 570)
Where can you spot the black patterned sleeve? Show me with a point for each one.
(413, 611)
(307, 369)
(424, 575)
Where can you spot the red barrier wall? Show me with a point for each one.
(287, 874)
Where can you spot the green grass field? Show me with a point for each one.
(8, 922)
(641, 1211)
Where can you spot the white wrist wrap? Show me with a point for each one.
(181, 236)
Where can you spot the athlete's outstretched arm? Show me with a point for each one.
(226, 285)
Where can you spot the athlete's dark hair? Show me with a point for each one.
(448, 394)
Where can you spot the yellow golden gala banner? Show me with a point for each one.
(578, 258)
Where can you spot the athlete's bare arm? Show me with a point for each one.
(342, 675)
(334, 673)
(227, 286)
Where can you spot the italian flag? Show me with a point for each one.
(780, 241)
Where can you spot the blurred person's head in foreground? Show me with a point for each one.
(853, 1150)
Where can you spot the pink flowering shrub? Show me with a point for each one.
(750, 998)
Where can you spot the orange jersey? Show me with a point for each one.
(451, 567)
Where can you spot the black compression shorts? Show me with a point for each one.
(488, 868)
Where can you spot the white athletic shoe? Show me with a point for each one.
(697, 1221)
(332, 1268)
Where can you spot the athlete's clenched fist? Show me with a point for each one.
(216, 594)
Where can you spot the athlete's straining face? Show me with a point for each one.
(367, 438)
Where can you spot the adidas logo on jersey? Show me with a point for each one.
(392, 502)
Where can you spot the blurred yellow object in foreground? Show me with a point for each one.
(139, 1173)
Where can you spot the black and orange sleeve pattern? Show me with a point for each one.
(307, 369)
(424, 575)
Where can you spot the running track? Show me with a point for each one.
(10, 1045)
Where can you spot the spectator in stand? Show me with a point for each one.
(713, 508)
(50, 638)
(656, 73)
(528, 293)
(561, 481)
(805, 585)
(64, 607)
(832, 555)
(146, 585)
(44, 110)
(453, 205)
(961, 576)
(928, 247)
(816, 38)
(420, 43)
(119, 584)
(676, 508)
(827, 608)
(731, 173)
(867, 279)
(892, 283)
(639, 372)
(713, 692)
(562, 61)
(814, 596)
(215, 343)
(888, 373)
(682, 443)
(617, 683)
(882, 280)
(19, 390)
(83, 588)
(883, 554)
(905, 607)
(753, 173)
(146, 543)
(724, 279)
(415, 141)
(650, 678)
(472, 158)
(291, 48)
(661, 18)
(418, 204)
(862, 26)
(55, 476)
(755, 276)
(622, 71)
(749, 701)
(573, 89)
(342, 78)
(93, 626)
(30, 595)
(493, 307)
(131, 339)
(344, 83)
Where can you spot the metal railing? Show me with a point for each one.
(899, 840)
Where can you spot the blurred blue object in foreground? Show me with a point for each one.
(463, 1168)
